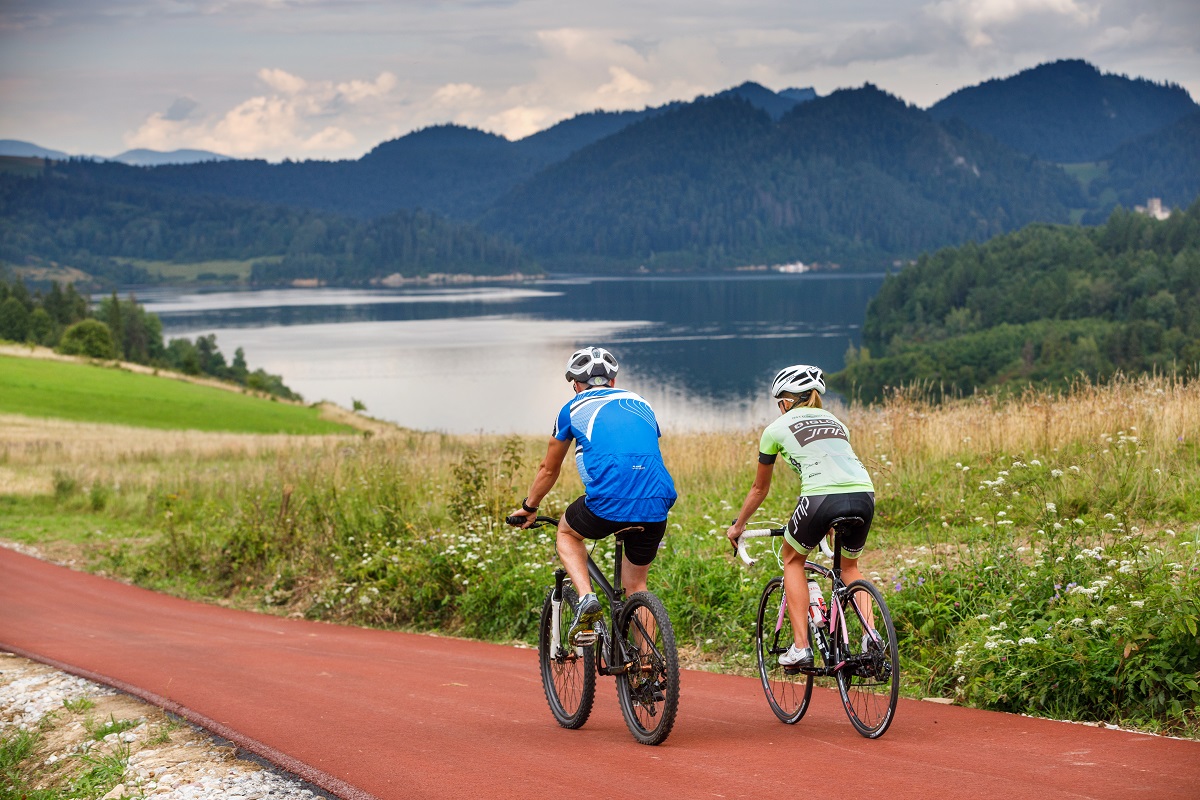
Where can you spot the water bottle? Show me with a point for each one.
(816, 604)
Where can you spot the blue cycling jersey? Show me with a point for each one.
(617, 455)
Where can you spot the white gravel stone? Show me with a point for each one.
(25, 700)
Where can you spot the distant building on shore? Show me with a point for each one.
(1153, 208)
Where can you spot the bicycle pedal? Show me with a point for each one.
(791, 670)
(585, 639)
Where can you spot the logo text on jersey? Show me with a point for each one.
(807, 431)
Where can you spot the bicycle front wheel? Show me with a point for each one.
(568, 673)
(787, 693)
(870, 678)
(649, 689)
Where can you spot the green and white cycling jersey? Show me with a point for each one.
(817, 446)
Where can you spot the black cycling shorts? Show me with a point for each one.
(640, 547)
(815, 514)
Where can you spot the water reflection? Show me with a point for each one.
(469, 359)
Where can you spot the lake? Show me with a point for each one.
(490, 357)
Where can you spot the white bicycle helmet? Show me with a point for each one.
(797, 380)
(594, 366)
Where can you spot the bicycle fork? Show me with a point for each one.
(556, 631)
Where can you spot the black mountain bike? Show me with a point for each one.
(637, 648)
(866, 667)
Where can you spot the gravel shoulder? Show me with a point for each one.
(148, 753)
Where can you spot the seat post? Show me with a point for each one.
(837, 551)
(618, 551)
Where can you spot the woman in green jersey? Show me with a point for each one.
(833, 483)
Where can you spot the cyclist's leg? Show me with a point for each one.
(853, 544)
(573, 553)
(795, 586)
(850, 574)
(639, 552)
(801, 536)
(633, 575)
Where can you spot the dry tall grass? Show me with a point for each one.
(907, 430)
(1163, 412)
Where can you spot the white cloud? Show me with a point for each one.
(293, 118)
(978, 22)
(513, 66)
(358, 91)
(457, 94)
(625, 86)
(518, 122)
(282, 81)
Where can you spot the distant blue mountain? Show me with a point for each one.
(155, 158)
(800, 95)
(1067, 111)
(774, 103)
(15, 147)
(136, 158)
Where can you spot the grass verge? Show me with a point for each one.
(92, 393)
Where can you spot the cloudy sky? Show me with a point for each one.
(332, 78)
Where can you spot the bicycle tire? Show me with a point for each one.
(783, 689)
(570, 679)
(869, 680)
(649, 692)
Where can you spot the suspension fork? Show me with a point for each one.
(556, 599)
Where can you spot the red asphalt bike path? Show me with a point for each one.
(380, 714)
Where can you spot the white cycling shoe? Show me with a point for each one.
(797, 657)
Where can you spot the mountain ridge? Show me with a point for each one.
(1066, 111)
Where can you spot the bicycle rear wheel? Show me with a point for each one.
(787, 693)
(569, 678)
(870, 680)
(649, 690)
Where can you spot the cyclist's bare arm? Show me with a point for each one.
(754, 498)
(543, 482)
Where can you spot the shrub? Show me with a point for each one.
(90, 338)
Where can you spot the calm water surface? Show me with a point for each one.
(491, 357)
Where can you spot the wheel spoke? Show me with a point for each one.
(649, 689)
(870, 681)
(787, 693)
(569, 679)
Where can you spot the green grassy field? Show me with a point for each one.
(86, 393)
(223, 269)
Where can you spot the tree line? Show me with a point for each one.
(85, 215)
(1046, 304)
(65, 320)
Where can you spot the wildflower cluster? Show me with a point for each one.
(1054, 608)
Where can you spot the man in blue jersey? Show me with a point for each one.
(625, 481)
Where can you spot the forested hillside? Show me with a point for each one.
(87, 216)
(1067, 111)
(447, 169)
(1163, 164)
(1045, 304)
(858, 178)
(748, 176)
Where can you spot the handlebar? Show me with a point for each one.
(538, 521)
(741, 542)
(761, 532)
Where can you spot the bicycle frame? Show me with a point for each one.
(614, 660)
(836, 621)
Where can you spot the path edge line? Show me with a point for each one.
(304, 771)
